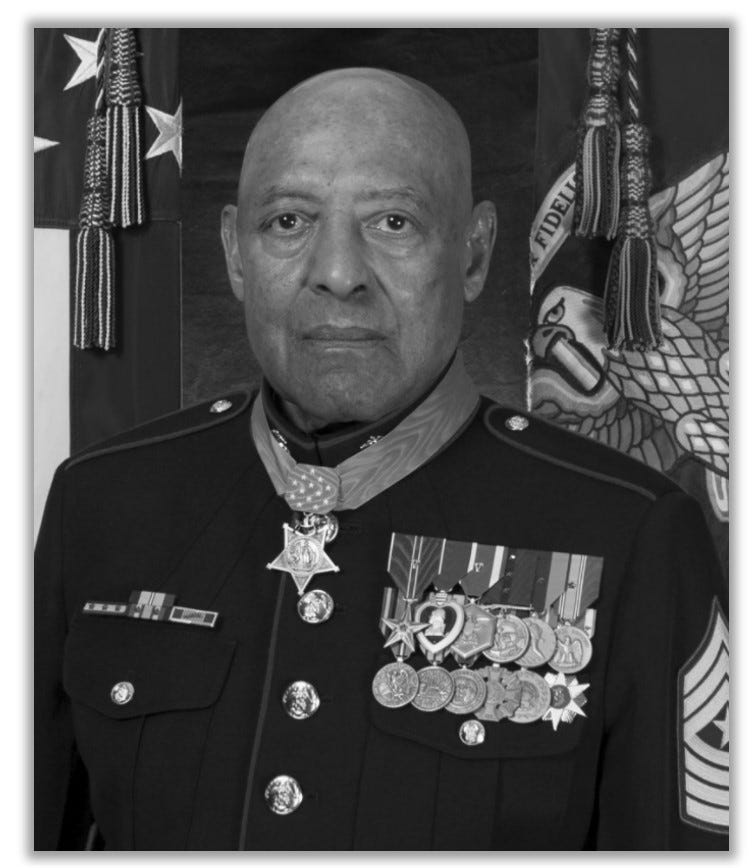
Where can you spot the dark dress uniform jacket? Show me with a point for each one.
(184, 506)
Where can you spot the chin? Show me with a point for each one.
(346, 397)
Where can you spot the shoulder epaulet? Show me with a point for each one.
(576, 452)
(189, 420)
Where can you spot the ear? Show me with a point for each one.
(232, 255)
(480, 240)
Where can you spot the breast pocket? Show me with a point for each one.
(433, 791)
(142, 695)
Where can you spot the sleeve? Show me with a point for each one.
(61, 815)
(664, 766)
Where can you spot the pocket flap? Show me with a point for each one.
(170, 666)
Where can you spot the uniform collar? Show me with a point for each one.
(334, 443)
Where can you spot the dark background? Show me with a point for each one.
(230, 76)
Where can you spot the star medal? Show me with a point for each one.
(574, 649)
(542, 644)
(566, 699)
(304, 555)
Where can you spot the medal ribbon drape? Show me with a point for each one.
(361, 477)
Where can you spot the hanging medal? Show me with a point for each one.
(397, 683)
(303, 555)
(574, 647)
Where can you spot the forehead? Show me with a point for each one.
(355, 136)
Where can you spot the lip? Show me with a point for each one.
(342, 334)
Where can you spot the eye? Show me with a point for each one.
(393, 223)
(287, 222)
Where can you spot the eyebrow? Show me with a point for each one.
(276, 191)
(407, 193)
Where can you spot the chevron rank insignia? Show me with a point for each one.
(703, 715)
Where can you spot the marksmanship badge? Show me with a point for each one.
(703, 719)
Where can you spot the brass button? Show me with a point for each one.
(122, 692)
(315, 607)
(283, 795)
(221, 406)
(517, 423)
(300, 700)
(472, 732)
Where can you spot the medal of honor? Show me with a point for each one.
(542, 643)
(436, 689)
(304, 556)
(510, 641)
(574, 650)
(395, 685)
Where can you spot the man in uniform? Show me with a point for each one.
(232, 601)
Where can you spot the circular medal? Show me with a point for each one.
(435, 689)
(542, 644)
(535, 698)
(574, 650)
(395, 685)
(511, 640)
(315, 607)
(469, 692)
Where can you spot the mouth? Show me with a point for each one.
(343, 336)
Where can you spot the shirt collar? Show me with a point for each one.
(334, 443)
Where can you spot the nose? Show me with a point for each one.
(337, 260)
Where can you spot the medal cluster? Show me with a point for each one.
(512, 640)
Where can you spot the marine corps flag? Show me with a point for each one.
(85, 395)
(666, 406)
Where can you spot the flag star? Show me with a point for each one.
(86, 49)
(169, 134)
(41, 144)
(723, 726)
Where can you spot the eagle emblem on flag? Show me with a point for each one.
(658, 406)
(703, 722)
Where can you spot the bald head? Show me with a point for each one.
(364, 104)
(354, 244)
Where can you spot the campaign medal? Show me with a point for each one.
(566, 699)
(535, 697)
(574, 649)
(504, 691)
(395, 685)
(476, 635)
(436, 689)
(542, 644)
(469, 691)
(304, 555)
(510, 641)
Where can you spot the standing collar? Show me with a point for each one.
(332, 444)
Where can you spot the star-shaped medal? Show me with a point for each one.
(403, 631)
(566, 699)
(303, 556)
